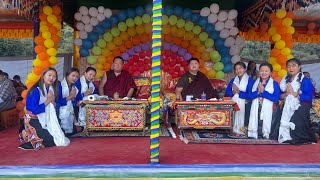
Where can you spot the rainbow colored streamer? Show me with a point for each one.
(155, 87)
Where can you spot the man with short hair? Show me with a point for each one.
(8, 93)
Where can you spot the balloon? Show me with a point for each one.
(203, 36)
(138, 20)
(212, 18)
(220, 75)
(227, 68)
(88, 27)
(52, 18)
(215, 56)
(290, 30)
(187, 56)
(84, 52)
(114, 20)
(196, 29)
(53, 60)
(146, 18)
(276, 37)
(91, 60)
(122, 26)
(77, 16)
(101, 43)
(100, 9)
(205, 12)
(281, 13)
(93, 36)
(48, 43)
(94, 21)
(195, 17)
(101, 17)
(282, 73)
(131, 13)
(285, 51)
(125, 56)
(84, 10)
(47, 10)
(287, 22)
(232, 14)
(234, 50)
(224, 33)
(218, 66)
(83, 34)
(86, 43)
(211, 73)
(222, 16)
(85, 19)
(239, 40)
(52, 52)
(46, 35)
(229, 24)
(173, 20)
(115, 32)
(117, 41)
(36, 62)
(275, 52)
(101, 59)
(214, 8)
(181, 23)
(96, 50)
(233, 31)
(280, 44)
(187, 13)
(272, 60)
(219, 26)
(209, 43)
(107, 37)
(188, 26)
(139, 10)
(165, 19)
(235, 59)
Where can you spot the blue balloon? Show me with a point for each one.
(106, 24)
(149, 9)
(168, 10)
(99, 29)
(86, 43)
(227, 68)
(223, 50)
(178, 11)
(195, 17)
(114, 20)
(122, 15)
(139, 11)
(203, 22)
(226, 59)
(214, 35)
(208, 28)
(93, 36)
(131, 13)
(219, 42)
(84, 52)
(187, 13)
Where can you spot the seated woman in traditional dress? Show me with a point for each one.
(8, 93)
(117, 81)
(194, 83)
(264, 114)
(41, 124)
(239, 89)
(67, 93)
(295, 125)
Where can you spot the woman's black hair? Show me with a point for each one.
(71, 70)
(90, 69)
(249, 63)
(239, 63)
(296, 61)
(266, 64)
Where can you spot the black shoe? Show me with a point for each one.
(26, 146)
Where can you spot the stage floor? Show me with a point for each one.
(129, 153)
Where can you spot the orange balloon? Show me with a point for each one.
(39, 40)
(53, 30)
(122, 48)
(177, 40)
(109, 59)
(281, 29)
(282, 59)
(39, 48)
(272, 16)
(43, 56)
(56, 10)
(276, 22)
(286, 37)
(43, 17)
(45, 64)
(275, 52)
(55, 46)
(105, 52)
(191, 49)
(116, 52)
(136, 40)
(274, 74)
(284, 66)
(144, 38)
(29, 85)
(59, 19)
(55, 38)
(289, 45)
(185, 44)
(107, 66)
(168, 38)
(278, 79)
(128, 44)
(290, 15)
(201, 48)
(37, 70)
(24, 94)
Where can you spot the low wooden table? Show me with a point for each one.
(116, 115)
(204, 114)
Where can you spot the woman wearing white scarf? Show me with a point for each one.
(295, 127)
(41, 124)
(68, 93)
(265, 94)
(86, 87)
(239, 89)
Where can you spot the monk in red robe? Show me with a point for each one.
(194, 83)
(117, 81)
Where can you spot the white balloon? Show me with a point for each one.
(229, 24)
(214, 8)
(85, 19)
(84, 10)
(100, 9)
(235, 59)
(83, 34)
(80, 26)
(234, 31)
(205, 12)
(222, 16)
(101, 17)
(224, 33)
(107, 12)
(78, 42)
(77, 16)
(212, 18)
(88, 27)
(239, 41)
(229, 42)
(234, 50)
(232, 14)
(93, 12)
(94, 21)
(219, 26)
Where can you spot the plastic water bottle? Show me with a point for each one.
(116, 95)
(203, 96)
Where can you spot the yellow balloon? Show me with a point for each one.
(290, 30)
(111, 46)
(281, 13)
(290, 56)
(57, 25)
(211, 73)
(272, 60)
(43, 23)
(47, 10)
(285, 51)
(287, 21)
(272, 31)
(276, 37)
(276, 67)
(44, 28)
(53, 60)
(52, 52)
(27, 81)
(32, 77)
(48, 43)
(101, 59)
(140, 29)
(282, 73)
(59, 34)
(46, 34)
(36, 62)
(99, 67)
(99, 74)
(280, 44)
(52, 19)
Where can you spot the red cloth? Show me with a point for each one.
(121, 83)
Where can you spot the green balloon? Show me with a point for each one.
(96, 50)
(165, 19)
(181, 23)
(196, 29)
(203, 36)
(107, 37)
(146, 18)
(209, 43)
(101, 43)
(218, 66)
(130, 22)
(220, 75)
(115, 32)
(188, 26)
(91, 60)
(173, 20)
(122, 26)
(138, 20)
(215, 56)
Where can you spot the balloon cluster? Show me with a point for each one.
(280, 32)
(138, 63)
(173, 63)
(46, 47)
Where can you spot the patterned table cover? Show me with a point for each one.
(204, 114)
(116, 115)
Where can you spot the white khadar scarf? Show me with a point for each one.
(49, 120)
(82, 110)
(265, 114)
(291, 104)
(66, 112)
(239, 115)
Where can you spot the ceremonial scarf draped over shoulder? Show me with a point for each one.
(120, 84)
(199, 84)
